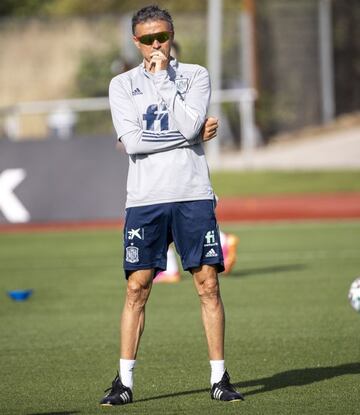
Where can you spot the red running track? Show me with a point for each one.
(261, 208)
(294, 207)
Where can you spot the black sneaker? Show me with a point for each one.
(118, 394)
(224, 390)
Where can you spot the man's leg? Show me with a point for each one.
(212, 309)
(213, 316)
(132, 326)
(133, 315)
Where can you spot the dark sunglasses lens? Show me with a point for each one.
(162, 37)
(149, 39)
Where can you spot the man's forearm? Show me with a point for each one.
(189, 116)
(148, 142)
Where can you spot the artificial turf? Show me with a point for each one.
(292, 341)
(250, 183)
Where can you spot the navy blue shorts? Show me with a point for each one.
(192, 226)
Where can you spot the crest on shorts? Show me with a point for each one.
(182, 84)
(132, 254)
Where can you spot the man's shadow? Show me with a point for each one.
(268, 270)
(56, 413)
(296, 377)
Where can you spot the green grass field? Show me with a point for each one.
(250, 183)
(293, 341)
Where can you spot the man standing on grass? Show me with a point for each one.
(159, 113)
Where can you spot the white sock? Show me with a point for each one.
(217, 370)
(126, 372)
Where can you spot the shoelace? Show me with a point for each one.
(113, 384)
(108, 389)
(226, 383)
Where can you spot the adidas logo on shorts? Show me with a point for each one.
(211, 253)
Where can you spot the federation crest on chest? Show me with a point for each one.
(182, 84)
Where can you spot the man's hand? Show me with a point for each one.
(158, 61)
(209, 130)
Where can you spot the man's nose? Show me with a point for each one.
(156, 44)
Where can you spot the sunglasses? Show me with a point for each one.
(161, 37)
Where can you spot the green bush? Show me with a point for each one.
(92, 80)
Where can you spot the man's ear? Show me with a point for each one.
(136, 42)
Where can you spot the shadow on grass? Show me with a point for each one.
(299, 377)
(268, 270)
(56, 413)
(296, 377)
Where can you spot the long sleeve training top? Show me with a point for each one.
(158, 117)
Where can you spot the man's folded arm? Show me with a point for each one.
(188, 109)
(135, 139)
(147, 142)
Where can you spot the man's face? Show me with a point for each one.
(148, 28)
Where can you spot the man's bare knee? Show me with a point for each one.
(207, 283)
(136, 294)
(209, 288)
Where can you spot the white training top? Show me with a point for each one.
(158, 117)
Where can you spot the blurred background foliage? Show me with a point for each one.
(87, 8)
(86, 41)
(92, 80)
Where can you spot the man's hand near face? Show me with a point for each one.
(158, 61)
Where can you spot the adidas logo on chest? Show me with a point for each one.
(137, 91)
